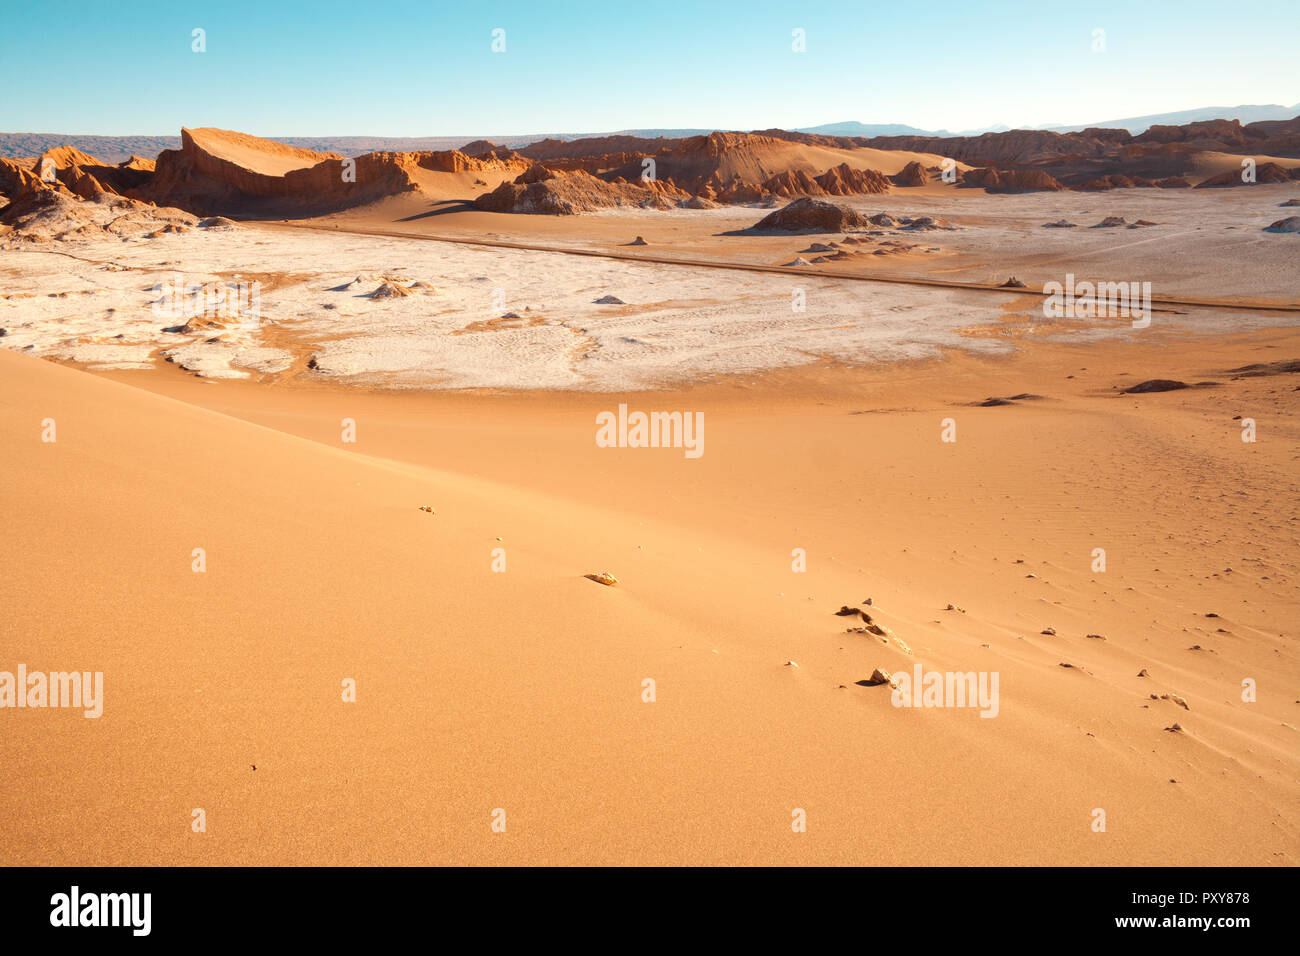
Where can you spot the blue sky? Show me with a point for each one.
(406, 68)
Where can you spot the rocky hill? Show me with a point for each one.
(221, 172)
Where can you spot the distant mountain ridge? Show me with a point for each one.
(228, 173)
(118, 148)
(1140, 124)
(868, 130)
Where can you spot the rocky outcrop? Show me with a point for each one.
(1115, 181)
(841, 180)
(215, 171)
(43, 213)
(1264, 173)
(1208, 134)
(249, 164)
(792, 183)
(812, 215)
(15, 177)
(1020, 146)
(913, 174)
(1023, 180)
(545, 191)
(85, 184)
(844, 180)
(730, 167)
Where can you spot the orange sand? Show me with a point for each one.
(523, 690)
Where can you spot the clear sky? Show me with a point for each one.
(426, 68)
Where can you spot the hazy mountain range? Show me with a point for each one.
(1134, 124)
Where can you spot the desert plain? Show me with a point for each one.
(333, 550)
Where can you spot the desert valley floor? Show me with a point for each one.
(473, 371)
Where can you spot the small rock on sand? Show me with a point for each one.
(926, 223)
(1059, 224)
(877, 678)
(1289, 224)
(602, 577)
(390, 290)
(1012, 283)
(1110, 222)
(638, 241)
(610, 300)
(1155, 385)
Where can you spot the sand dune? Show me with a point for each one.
(259, 156)
(322, 567)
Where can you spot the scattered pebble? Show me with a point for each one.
(602, 577)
